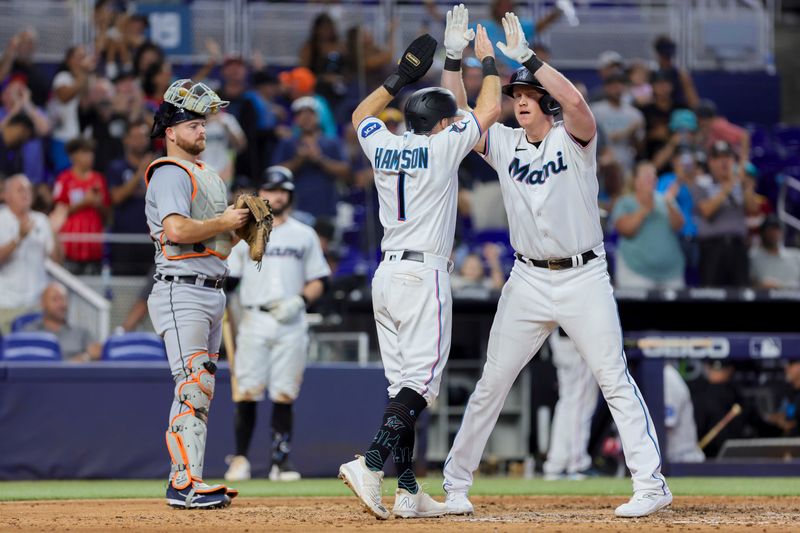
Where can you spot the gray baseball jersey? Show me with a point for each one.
(170, 192)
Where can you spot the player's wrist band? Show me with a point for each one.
(488, 66)
(451, 64)
(394, 83)
(533, 64)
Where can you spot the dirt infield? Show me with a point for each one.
(506, 513)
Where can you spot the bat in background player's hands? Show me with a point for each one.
(516, 46)
(457, 34)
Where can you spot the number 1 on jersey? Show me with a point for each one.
(401, 196)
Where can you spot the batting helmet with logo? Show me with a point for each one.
(524, 77)
(426, 107)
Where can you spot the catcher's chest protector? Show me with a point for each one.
(209, 199)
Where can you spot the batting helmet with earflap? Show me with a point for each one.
(524, 77)
(426, 107)
(278, 177)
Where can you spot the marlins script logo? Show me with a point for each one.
(537, 176)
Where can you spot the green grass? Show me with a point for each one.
(88, 489)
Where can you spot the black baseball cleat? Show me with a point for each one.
(197, 496)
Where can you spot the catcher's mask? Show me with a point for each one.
(183, 101)
(279, 177)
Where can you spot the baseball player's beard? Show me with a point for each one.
(195, 148)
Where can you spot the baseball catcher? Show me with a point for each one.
(191, 227)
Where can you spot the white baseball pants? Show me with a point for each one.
(533, 302)
(572, 417)
(413, 311)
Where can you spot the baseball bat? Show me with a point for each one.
(735, 411)
(230, 350)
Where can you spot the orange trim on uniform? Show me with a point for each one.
(191, 358)
(211, 490)
(206, 253)
(157, 163)
(179, 441)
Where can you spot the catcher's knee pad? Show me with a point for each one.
(186, 436)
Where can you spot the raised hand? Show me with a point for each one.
(457, 34)
(516, 46)
(483, 46)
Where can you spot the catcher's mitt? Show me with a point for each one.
(256, 232)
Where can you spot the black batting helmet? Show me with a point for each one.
(426, 107)
(523, 76)
(278, 177)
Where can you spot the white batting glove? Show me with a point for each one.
(457, 34)
(516, 46)
(287, 310)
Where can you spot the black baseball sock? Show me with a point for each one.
(404, 462)
(244, 423)
(281, 431)
(398, 420)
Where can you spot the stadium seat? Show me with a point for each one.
(23, 320)
(134, 347)
(31, 346)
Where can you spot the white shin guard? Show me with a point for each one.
(186, 435)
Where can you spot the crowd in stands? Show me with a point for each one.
(681, 199)
(683, 202)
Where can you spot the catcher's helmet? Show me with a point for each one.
(523, 76)
(426, 107)
(183, 101)
(278, 177)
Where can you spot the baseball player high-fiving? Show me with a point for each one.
(549, 184)
(190, 224)
(416, 178)
(272, 339)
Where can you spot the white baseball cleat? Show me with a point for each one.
(284, 472)
(239, 469)
(458, 503)
(644, 503)
(419, 505)
(365, 484)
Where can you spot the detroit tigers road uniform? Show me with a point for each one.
(186, 306)
(567, 456)
(271, 354)
(550, 195)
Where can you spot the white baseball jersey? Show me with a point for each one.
(417, 181)
(539, 183)
(550, 194)
(293, 257)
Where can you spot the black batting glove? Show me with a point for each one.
(413, 65)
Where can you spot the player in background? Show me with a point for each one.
(272, 337)
(548, 179)
(417, 183)
(568, 456)
(190, 224)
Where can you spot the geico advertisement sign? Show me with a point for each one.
(701, 347)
